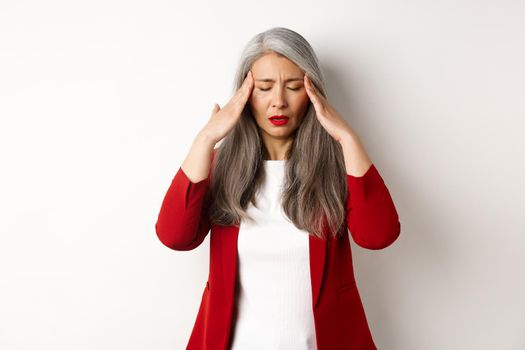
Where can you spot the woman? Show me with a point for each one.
(288, 179)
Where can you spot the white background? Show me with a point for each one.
(99, 104)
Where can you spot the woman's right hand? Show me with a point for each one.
(224, 119)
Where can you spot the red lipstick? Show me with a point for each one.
(279, 120)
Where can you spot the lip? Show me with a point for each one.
(279, 122)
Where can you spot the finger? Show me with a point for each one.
(215, 109)
(312, 93)
(248, 85)
(245, 91)
(312, 87)
(252, 79)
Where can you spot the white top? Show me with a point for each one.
(274, 293)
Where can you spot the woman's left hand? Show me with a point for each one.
(332, 121)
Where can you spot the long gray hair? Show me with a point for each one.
(315, 187)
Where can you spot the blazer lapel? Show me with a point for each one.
(229, 258)
(317, 249)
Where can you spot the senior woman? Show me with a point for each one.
(279, 194)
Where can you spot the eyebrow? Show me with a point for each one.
(273, 81)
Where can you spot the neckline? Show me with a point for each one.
(274, 163)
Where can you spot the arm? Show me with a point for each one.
(182, 223)
(371, 214)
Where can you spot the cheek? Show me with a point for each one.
(256, 102)
(301, 101)
(258, 111)
(304, 96)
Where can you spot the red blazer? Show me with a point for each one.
(339, 317)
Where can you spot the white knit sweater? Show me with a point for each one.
(273, 294)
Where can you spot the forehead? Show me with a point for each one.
(271, 67)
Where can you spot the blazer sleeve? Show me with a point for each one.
(371, 214)
(183, 223)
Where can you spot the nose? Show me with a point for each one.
(278, 98)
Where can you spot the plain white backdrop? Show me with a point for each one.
(100, 102)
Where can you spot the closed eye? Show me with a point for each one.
(288, 88)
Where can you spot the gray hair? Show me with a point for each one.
(315, 189)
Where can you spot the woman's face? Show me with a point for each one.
(278, 90)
